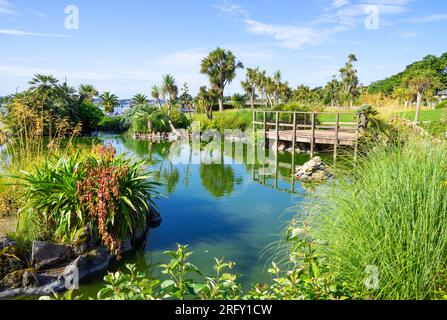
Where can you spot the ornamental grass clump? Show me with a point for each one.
(386, 221)
(102, 192)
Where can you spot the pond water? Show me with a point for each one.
(225, 210)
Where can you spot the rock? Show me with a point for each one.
(20, 278)
(83, 242)
(153, 219)
(47, 255)
(10, 261)
(13, 279)
(281, 147)
(313, 170)
(29, 279)
(6, 242)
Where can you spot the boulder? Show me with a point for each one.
(46, 255)
(10, 261)
(43, 283)
(313, 170)
(6, 243)
(83, 242)
(154, 219)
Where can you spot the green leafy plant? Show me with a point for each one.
(106, 193)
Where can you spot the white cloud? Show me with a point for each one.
(186, 58)
(22, 33)
(408, 34)
(231, 9)
(6, 8)
(430, 18)
(289, 36)
(340, 3)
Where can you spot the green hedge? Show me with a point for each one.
(112, 124)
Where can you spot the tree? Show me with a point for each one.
(349, 80)
(419, 81)
(303, 95)
(90, 116)
(169, 89)
(185, 98)
(220, 66)
(87, 93)
(206, 99)
(139, 99)
(109, 102)
(332, 91)
(249, 85)
(42, 85)
(156, 94)
(403, 93)
(239, 100)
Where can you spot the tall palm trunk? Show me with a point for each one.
(221, 106)
(418, 106)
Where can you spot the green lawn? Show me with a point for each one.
(332, 117)
(426, 115)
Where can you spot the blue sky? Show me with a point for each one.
(126, 46)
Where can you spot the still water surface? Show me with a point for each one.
(221, 210)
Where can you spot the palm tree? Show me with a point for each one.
(249, 85)
(139, 99)
(109, 102)
(156, 93)
(87, 92)
(420, 81)
(170, 89)
(42, 85)
(350, 80)
(239, 100)
(220, 66)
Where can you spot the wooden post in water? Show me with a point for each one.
(337, 129)
(265, 124)
(277, 132)
(254, 124)
(293, 144)
(312, 139)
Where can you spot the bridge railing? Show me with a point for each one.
(297, 121)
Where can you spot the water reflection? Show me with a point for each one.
(221, 209)
(216, 164)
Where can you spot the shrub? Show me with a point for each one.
(90, 116)
(437, 128)
(179, 120)
(104, 193)
(389, 213)
(442, 105)
(112, 124)
(226, 120)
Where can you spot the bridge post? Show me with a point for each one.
(277, 133)
(337, 129)
(312, 140)
(293, 144)
(265, 125)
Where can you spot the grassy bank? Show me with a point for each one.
(230, 119)
(389, 213)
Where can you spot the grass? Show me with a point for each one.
(230, 119)
(425, 115)
(390, 212)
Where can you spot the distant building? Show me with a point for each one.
(442, 95)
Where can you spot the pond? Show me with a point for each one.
(226, 210)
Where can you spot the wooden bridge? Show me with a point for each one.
(311, 128)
